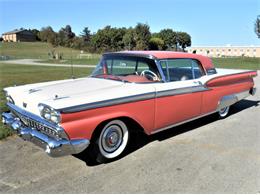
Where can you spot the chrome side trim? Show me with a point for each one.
(228, 100)
(134, 98)
(53, 147)
(180, 91)
(242, 95)
(182, 122)
(110, 102)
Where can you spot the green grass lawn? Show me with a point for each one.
(237, 63)
(91, 61)
(36, 50)
(11, 74)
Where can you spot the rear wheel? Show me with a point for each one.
(223, 112)
(111, 141)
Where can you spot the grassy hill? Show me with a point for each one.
(39, 50)
(36, 50)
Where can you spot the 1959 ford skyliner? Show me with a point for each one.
(149, 90)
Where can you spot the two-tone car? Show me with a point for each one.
(145, 90)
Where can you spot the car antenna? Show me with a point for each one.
(71, 64)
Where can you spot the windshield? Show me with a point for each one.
(127, 68)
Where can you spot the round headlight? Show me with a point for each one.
(49, 113)
(47, 116)
(55, 119)
(40, 107)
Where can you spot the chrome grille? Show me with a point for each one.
(36, 125)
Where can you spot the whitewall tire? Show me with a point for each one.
(223, 112)
(113, 139)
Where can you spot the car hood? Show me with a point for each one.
(66, 93)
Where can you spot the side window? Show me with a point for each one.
(181, 69)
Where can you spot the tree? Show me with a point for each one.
(115, 39)
(53, 39)
(78, 43)
(142, 35)
(65, 36)
(47, 34)
(183, 39)
(36, 34)
(128, 39)
(102, 39)
(61, 38)
(156, 43)
(169, 37)
(257, 26)
(109, 39)
(86, 35)
(68, 32)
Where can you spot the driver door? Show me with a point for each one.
(180, 98)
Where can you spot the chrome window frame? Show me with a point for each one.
(159, 67)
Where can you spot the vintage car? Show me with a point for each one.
(129, 90)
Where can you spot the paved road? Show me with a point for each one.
(203, 156)
(36, 62)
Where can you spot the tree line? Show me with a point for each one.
(115, 39)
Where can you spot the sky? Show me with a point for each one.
(209, 22)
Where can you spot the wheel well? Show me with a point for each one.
(130, 123)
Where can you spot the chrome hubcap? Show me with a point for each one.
(223, 112)
(112, 138)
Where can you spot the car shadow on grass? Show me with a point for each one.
(140, 139)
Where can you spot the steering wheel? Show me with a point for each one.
(149, 74)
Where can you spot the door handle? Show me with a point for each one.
(197, 82)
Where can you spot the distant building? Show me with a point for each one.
(226, 51)
(21, 35)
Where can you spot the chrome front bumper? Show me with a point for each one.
(52, 146)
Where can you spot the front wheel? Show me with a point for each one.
(111, 141)
(223, 112)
